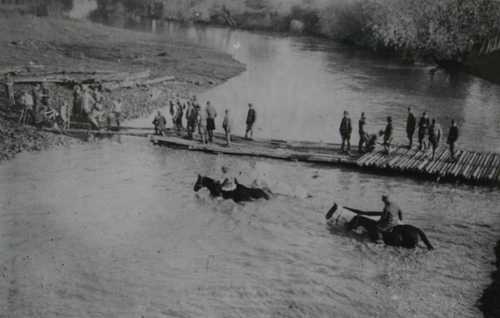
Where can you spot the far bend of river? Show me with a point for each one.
(300, 87)
(114, 229)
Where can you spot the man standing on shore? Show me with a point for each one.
(9, 88)
(452, 138)
(345, 132)
(411, 123)
(251, 117)
(362, 133)
(211, 115)
(159, 123)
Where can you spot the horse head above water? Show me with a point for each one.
(213, 186)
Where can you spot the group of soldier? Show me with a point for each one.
(35, 106)
(39, 106)
(201, 119)
(428, 133)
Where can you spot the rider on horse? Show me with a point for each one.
(387, 217)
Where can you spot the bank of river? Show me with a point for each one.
(43, 45)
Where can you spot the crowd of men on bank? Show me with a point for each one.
(37, 106)
(428, 133)
(201, 119)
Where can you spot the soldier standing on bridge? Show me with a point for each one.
(362, 133)
(434, 136)
(452, 138)
(388, 135)
(411, 123)
(423, 131)
(345, 132)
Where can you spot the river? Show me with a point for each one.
(113, 228)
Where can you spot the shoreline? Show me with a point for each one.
(84, 46)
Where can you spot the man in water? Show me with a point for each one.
(411, 123)
(452, 138)
(363, 136)
(390, 216)
(251, 117)
(345, 132)
(227, 181)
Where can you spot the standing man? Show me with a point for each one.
(434, 136)
(117, 111)
(452, 138)
(345, 132)
(411, 123)
(9, 88)
(362, 133)
(388, 135)
(202, 124)
(251, 117)
(211, 115)
(423, 131)
(27, 104)
(227, 125)
(160, 123)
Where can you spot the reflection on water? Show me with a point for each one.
(301, 86)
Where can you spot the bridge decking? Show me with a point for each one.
(479, 168)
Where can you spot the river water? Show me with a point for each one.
(113, 228)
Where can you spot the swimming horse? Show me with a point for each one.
(403, 235)
(240, 194)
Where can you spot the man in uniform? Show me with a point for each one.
(411, 123)
(211, 115)
(362, 133)
(251, 117)
(388, 135)
(452, 138)
(345, 131)
(423, 131)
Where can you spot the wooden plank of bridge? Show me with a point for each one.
(491, 170)
(396, 164)
(476, 172)
(471, 165)
(462, 164)
(441, 155)
(481, 174)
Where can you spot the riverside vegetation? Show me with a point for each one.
(440, 30)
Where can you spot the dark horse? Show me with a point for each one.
(404, 235)
(240, 194)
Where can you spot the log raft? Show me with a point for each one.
(470, 167)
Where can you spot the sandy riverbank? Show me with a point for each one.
(44, 45)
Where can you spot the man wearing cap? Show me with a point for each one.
(345, 131)
(389, 217)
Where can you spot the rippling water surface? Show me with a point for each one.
(114, 229)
